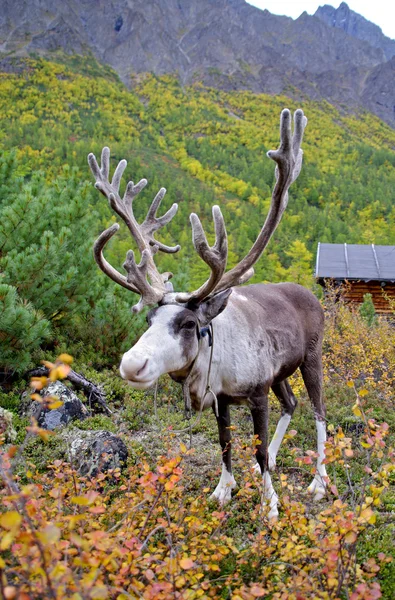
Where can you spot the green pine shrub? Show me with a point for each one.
(22, 329)
(367, 310)
(50, 286)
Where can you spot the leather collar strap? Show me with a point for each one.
(185, 386)
(206, 331)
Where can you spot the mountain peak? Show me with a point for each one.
(223, 43)
(356, 26)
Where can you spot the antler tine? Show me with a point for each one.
(289, 162)
(136, 281)
(104, 265)
(215, 257)
(152, 223)
(138, 274)
(123, 208)
(300, 124)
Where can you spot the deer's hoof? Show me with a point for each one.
(273, 514)
(271, 465)
(223, 493)
(317, 488)
(272, 462)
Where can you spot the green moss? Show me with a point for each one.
(97, 422)
(41, 453)
(376, 540)
(10, 401)
(20, 424)
(116, 390)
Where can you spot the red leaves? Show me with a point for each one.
(146, 537)
(187, 563)
(154, 542)
(257, 590)
(363, 591)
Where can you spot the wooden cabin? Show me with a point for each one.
(361, 269)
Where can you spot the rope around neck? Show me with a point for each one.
(186, 384)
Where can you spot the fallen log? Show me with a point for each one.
(92, 392)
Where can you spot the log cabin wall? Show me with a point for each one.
(354, 292)
(359, 269)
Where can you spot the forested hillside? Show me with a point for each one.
(205, 146)
(334, 55)
(135, 521)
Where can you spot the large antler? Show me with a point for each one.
(151, 291)
(215, 257)
(289, 163)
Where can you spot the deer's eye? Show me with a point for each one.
(188, 325)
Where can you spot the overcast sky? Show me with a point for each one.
(380, 12)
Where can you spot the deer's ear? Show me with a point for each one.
(211, 308)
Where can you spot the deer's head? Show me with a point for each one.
(171, 342)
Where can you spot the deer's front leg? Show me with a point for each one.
(223, 491)
(260, 416)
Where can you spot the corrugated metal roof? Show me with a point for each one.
(355, 261)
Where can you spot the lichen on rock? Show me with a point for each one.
(92, 452)
(6, 427)
(72, 408)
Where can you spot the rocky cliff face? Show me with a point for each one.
(224, 43)
(378, 94)
(356, 26)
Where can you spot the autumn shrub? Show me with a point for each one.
(140, 534)
(356, 351)
(68, 537)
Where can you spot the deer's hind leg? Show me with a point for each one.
(285, 395)
(260, 414)
(311, 370)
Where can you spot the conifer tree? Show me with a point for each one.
(49, 283)
(367, 310)
(22, 329)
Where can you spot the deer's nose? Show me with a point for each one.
(133, 366)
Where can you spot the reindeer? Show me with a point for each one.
(263, 332)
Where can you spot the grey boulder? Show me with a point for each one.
(72, 408)
(93, 452)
